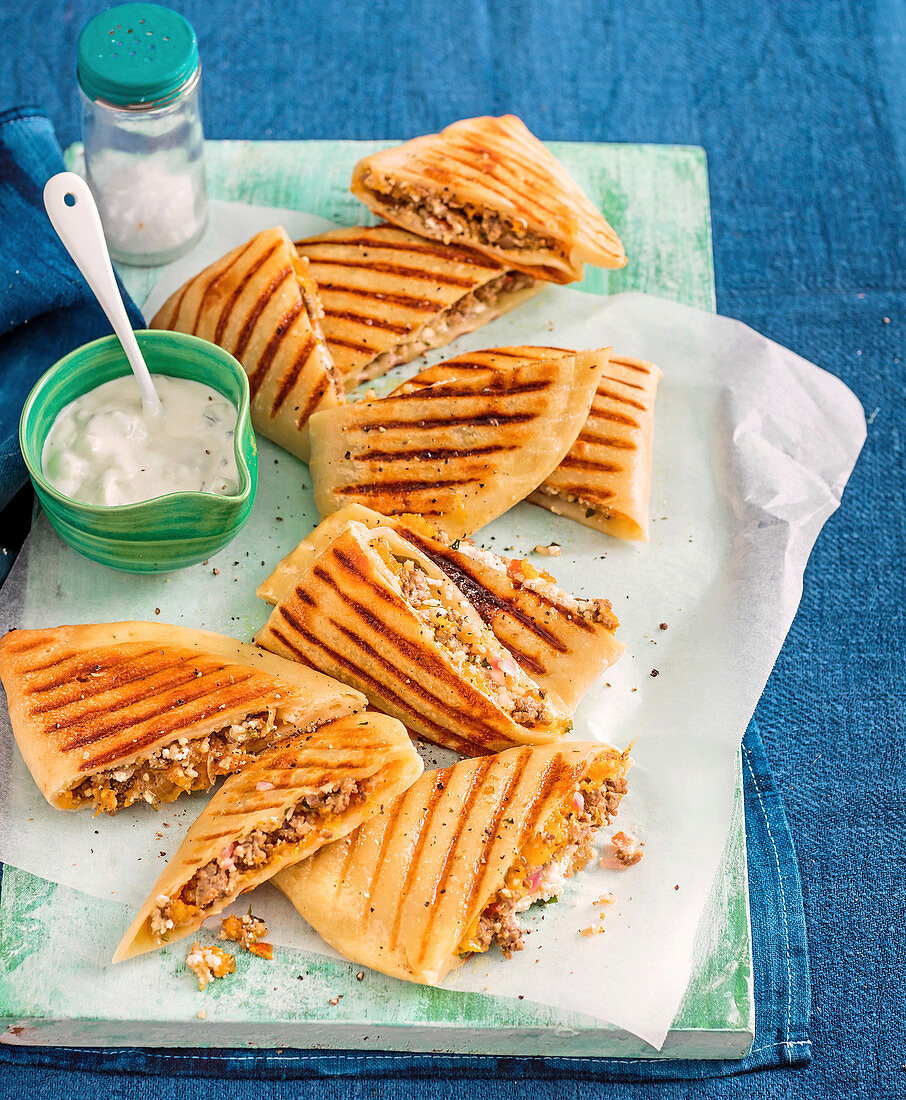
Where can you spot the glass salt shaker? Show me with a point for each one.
(139, 88)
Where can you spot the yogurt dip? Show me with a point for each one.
(104, 449)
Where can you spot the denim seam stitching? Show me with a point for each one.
(391, 1056)
(786, 927)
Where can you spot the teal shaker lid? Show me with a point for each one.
(136, 53)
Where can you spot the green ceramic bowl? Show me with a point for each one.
(168, 532)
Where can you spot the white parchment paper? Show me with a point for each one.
(753, 447)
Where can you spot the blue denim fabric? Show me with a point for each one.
(782, 995)
(46, 308)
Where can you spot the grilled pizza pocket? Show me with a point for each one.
(310, 789)
(375, 612)
(605, 479)
(489, 183)
(446, 870)
(116, 713)
(463, 451)
(562, 642)
(260, 303)
(389, 295)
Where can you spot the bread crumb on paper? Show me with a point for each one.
(626, 849)
(552, 550)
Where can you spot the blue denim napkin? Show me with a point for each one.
(782, 996)
(46, 308)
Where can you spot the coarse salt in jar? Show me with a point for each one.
(139, 88)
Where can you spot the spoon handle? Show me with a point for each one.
(74, 215)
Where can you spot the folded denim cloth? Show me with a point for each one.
(782, 1000)
(46, 308)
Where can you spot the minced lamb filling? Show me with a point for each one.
(451, 322)
(470, 222)
(181, 766)
(496, 676)
(221, 876)
(564, 848)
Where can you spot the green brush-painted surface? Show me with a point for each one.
(56, 982)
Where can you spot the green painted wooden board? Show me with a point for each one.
(56, 984)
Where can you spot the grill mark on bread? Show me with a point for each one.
(503, 800)
(210, 285)
(632, 364)
(177, 307)
(476, 786)
(435, 669)
(376, 488)
(435, 277)
(599, 413)
(549, 778)
(272, 347)
(258, 308)
(314, 399)
(607, 441)
(163, 680)
(368, 320)
(177, 716)
(387, 836)
(227, 308)
(433, 453)
(454, 421)
(480, 732)
(290, 378)
(617, 397)
(623, 382)
(101, 661)
(383, 297)
(461, 254)
(498, 385)
(572, 462)
(348, 846)
(436, 168)
(424, 827)
(78, 694)
(353, 345)
(377, 686)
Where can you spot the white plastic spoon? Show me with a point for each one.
(74, 214)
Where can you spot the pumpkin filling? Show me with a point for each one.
(540, 873)
(179, 767)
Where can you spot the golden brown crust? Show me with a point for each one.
(260, 303)
(401, 893)
(562, 646)
(347, 616)
(389, 295)
(369, 749)
(461, 452)
(541, 220)
(85, 699)
(605, 480)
